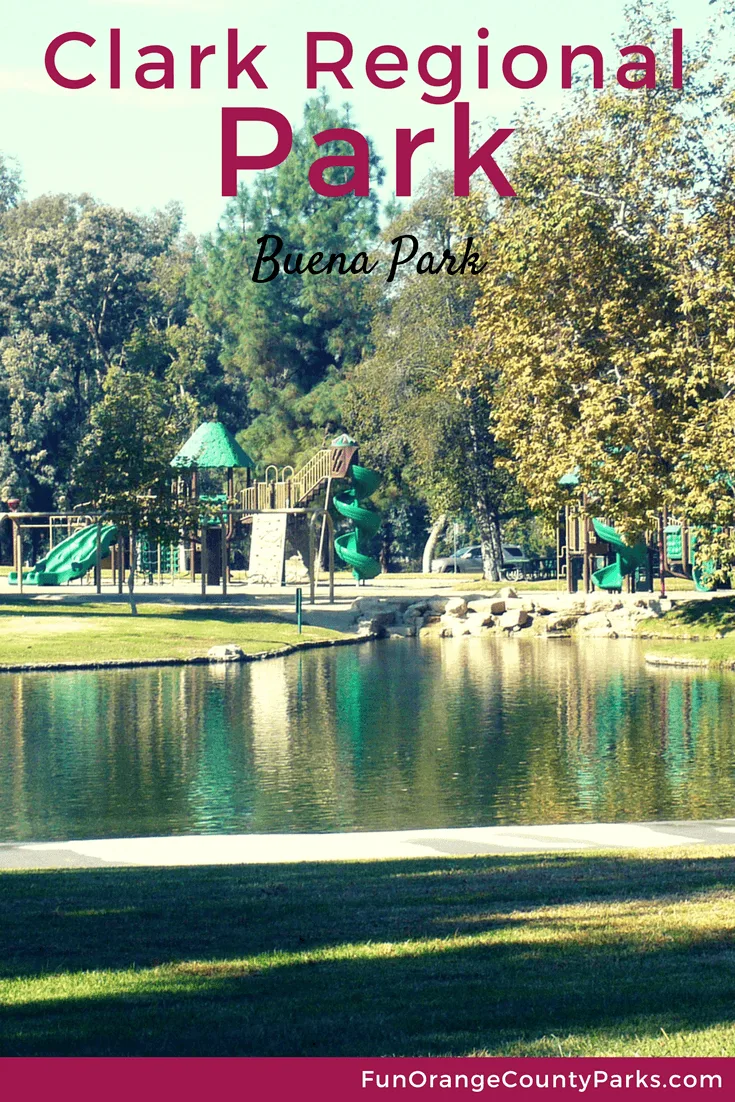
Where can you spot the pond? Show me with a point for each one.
(394, 735)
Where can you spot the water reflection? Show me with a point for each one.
(455, 733)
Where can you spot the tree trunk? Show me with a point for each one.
(488, 523)
(480, 469)
(436, 531)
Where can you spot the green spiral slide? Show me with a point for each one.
(350, 504)
(627, 558)
(71, 558)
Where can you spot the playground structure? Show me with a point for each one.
(679, 550)
(70, 559)
(591, 552)
(216, 479)
(211, 448)
(88, 543)
(84, 543)
(279, 512)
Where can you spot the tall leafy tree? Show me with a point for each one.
(292, 338)
(11, 186)
(75, 284)
(124, 460)
(433, 439)
(578, 335)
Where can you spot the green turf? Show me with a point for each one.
(47, 632)
(529, 955)
(715, 652)
(673, 585)
(696, 619)
(477, 583)
(701, 630)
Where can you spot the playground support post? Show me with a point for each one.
(131, 573)
(567, 551)
(18, 553)
(685, 546)
(662, 563)
(315, 516)
(120, 564)
(225, 556)
(586, 549)
(193, 561)
(98, 556)
(324, 518)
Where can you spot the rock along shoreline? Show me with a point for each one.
(593, 615)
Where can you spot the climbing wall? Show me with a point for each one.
(267, 549)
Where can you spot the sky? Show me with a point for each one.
(140, 149)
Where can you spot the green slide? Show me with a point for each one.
(703, 575)
(627, 558)
(351, 547)
(70, 559)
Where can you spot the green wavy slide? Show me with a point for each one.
(627, 558)
(70, 559)
(351, 504)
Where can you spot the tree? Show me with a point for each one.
(578, 337)
(124, 460)
(11, 186)
(290, 340)
(75, 285)
(432, 439)
(705, 491)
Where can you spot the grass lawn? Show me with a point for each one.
(528, 955)
(703, 619)
(476, 582)
(716, 652)
(33, 631)
(697, 629)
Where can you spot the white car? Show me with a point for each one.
(468, 560)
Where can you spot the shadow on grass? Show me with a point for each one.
(446, 997)
(717, 613)
(154, 612)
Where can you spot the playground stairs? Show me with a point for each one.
(278, 507)
(297, 489)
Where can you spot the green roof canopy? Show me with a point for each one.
(212, 446)
(569, 480)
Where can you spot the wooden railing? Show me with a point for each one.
(312, 474)
(291, 492)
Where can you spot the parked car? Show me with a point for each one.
(517, 565)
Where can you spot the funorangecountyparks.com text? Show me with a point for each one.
(513, 1078)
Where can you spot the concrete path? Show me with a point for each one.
(249, 849)
(281, 601)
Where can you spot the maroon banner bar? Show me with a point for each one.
(350, 1079)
